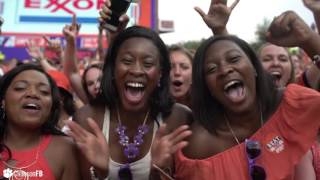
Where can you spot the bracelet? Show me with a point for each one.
(93, 174)
(316, 60)
(163, 172)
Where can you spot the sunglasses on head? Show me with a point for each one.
(124, 172)
(253, 150)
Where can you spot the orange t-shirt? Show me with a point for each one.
(284, 139)
(38, 167)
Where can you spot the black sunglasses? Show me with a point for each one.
(253, 150)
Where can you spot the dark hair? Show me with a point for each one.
(49, 127)
(84, 82)
(68, 102)
(207, 110)
(174, 48)
(160, 101)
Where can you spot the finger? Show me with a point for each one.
(178, 146)
(104, 16)
(200, 11)
(286, 21)
(177, 131)
(161, 131)
(106, 10)
(107, 3)
(96, 130)
(77, 130)
(221, 2)
(74, 20)
(46, 39)
(234, 4)
(181, 136)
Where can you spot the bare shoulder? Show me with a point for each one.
(180, 115)
(202, 144)
(96, 112)
(63, 143)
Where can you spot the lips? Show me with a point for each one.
(177, 83)
(276, 77)
(31, 107)
(234, 90)
(134, 92)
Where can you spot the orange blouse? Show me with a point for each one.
(284, 139)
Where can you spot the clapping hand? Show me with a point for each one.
(93, 145)
(165, 145)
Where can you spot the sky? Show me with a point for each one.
(242, 22)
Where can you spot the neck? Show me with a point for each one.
(251, 119)
(185, 100)
(21, 140)
(131, 118)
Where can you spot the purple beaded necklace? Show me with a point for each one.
(131, 150)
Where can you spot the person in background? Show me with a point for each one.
(86, 87)
(65, 98)
(31, 145)
(180, 74)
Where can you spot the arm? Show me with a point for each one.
(70, 33)
(305, 169)
(100, 44)
(290, 30)
(314, 6)
(71, 165)
(36, 53)
(218, 16)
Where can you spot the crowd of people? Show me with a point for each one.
(145, 110)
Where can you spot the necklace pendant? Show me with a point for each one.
(131, 151)
(143, 129)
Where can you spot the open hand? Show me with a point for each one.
(218, 15)
(165, 145)
(93, 146)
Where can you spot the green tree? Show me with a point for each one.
(260, 34)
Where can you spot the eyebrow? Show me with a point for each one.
(25, 81)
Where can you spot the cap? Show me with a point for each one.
(61, 80)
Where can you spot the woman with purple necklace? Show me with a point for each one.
(135, 91)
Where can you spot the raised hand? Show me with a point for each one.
(313, 5)
(93, 146)
(288, 30)
(218, 15)
(165, 145)
(105, 14)
(34, 51)
(71, 32)
(53, 45)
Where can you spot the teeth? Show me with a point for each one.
(135, 85)
(231, 83)
(275, 73)
(32, 105)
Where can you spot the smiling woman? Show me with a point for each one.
(30, 140)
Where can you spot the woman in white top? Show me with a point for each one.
(135, 91)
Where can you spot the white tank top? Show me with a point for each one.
(140, 169)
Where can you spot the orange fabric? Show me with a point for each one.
(284, 139)
(41, 169)
(61, 80)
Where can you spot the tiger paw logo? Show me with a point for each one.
(7, 173)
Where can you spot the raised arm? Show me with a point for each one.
(314, 6)
(290, 30)
(35, 53)
(217, 16)
(70, 66)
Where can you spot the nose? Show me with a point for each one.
(137, 69)
(275, 62)
(176, 71)
(32, 92)
(225, 69)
